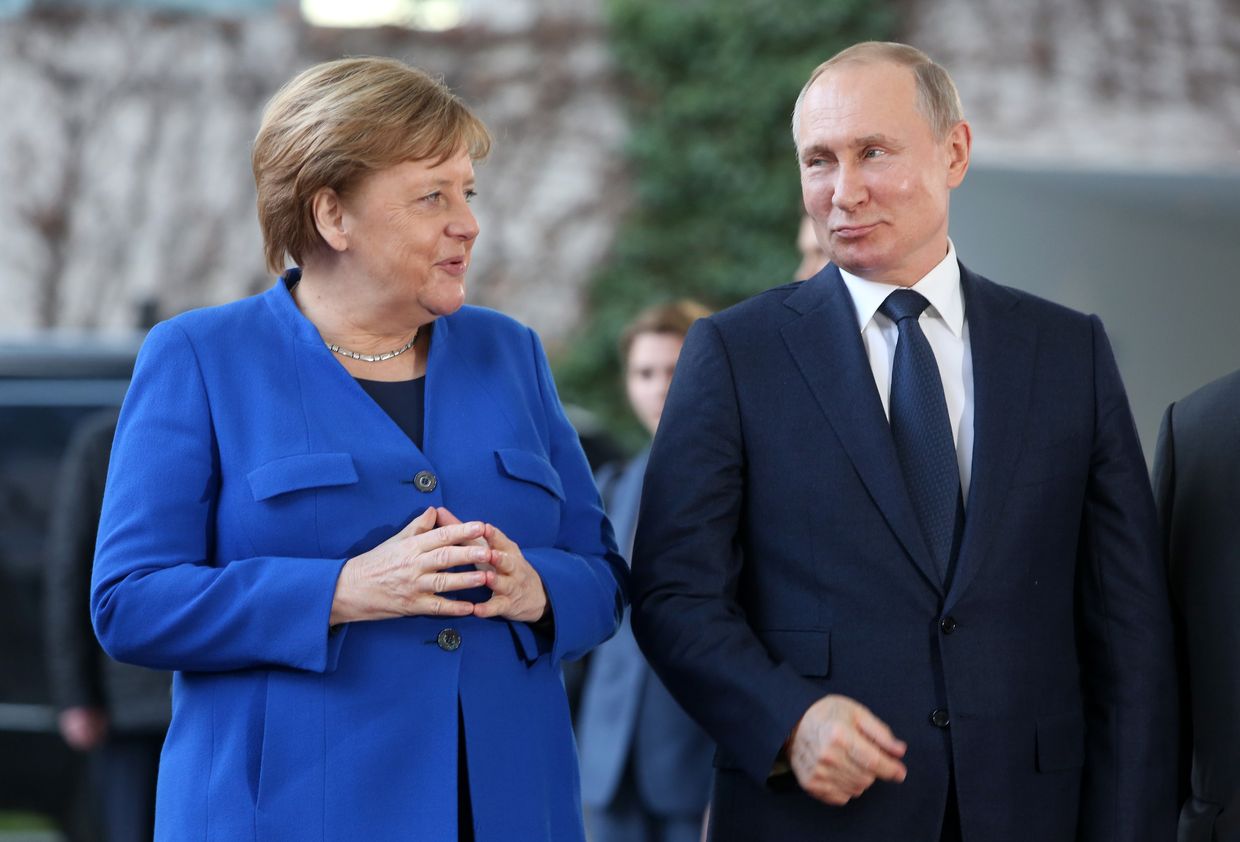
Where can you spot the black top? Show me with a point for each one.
(403, 400)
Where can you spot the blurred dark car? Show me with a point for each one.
(48, 383)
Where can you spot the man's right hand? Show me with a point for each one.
(839, 749)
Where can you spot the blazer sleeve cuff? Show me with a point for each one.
(585, 600)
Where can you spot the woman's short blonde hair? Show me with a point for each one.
(338, 121)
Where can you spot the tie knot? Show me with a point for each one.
(903, 304)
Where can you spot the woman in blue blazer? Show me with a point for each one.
(350, 513)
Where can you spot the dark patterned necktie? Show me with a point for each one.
(922, 429)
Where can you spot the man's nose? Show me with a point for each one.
(850, 190)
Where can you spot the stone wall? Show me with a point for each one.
(124, 155)
(1151, 86)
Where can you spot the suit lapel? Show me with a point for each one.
(825, 342)
(1003, 347)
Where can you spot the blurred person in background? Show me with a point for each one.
(350, 511)
(813, 258)
(645, 765)
(116, 711)
(1197, 481)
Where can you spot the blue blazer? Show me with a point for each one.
(628, 720)
(248, 466)
(779, 560)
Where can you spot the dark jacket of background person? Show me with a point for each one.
(628, 721)
(778, 560)
(135, 699)
(1197, 478)
(135, 702)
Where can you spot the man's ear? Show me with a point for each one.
(959, 146)
(329, 218)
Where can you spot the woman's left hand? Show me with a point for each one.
(517, 591)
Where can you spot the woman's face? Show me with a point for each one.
(410, 232)
(648, 374)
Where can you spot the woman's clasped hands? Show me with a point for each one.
(408, 574)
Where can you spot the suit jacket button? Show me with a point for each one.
(449, 640)
(425, 481)
(948, 625)
(940, 719)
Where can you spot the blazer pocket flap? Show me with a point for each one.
(1061, 742)
(529, 467)
(808, 651)
(304, 470)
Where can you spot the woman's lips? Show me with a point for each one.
(454, 266)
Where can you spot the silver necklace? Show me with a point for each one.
(372, 358)
(366, 358)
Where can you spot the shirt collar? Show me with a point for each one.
(940, 286)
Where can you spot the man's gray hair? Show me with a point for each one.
(937, 97)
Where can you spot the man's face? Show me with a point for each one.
(875, 180)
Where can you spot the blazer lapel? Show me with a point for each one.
(1003, 346)
(826, 344)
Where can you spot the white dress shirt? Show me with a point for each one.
(945, 327)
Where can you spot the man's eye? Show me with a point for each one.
(873, 152)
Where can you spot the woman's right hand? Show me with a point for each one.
(403, 576)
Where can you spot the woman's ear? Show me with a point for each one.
(329, 218)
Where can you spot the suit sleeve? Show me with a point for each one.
(1125, 633)
(688, 560)
(159, 597)
(584, 574)
(1164, 496)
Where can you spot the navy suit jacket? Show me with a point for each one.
(628, 720)
(1197, 476)
(247, 467)
(779, 560)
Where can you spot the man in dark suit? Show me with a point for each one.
(897, 532)
(1197, 478)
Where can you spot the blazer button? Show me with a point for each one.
(948, 625)
(449, 640)
(940, 719)
(425, 481)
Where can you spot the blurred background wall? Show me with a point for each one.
(126, 131)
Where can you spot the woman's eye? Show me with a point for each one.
(432, 198)
(470, 195)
